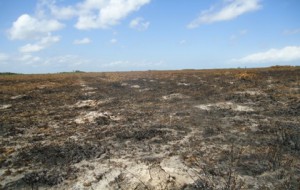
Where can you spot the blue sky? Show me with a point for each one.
(45, 36)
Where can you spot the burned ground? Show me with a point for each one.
(214, 129)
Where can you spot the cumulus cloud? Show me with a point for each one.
(139, 24)
(31, 48)
(82, 41)
(105, 13)
(28, 27)
(62, 13)
(40, 45)
(28, 59)
(93, 14)
(44, 7)
(286, 54)
(229, 10)
(39, 30)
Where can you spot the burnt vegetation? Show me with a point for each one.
(214, 129)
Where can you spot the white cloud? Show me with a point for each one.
(38, 29)
(139, 24)
(40, 45)
(25, 59)
(31, 48)
(28, 27)
(228, 11)
(113, 41)
(93, 14)
(49, 6)
(82, 41)
(286, 54)
(63, 13)
(49, 39)
(28, 59)
(105, 13)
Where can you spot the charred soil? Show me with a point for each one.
(213, 129)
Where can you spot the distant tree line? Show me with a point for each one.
(8, 73)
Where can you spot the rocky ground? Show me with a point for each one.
(214, 129)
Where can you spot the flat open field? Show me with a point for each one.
(213, 129)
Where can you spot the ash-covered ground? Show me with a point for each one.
(214, 129)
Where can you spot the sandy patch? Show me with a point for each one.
(225, 106)
(183, 84)
(5, 106)
(174, 166)
(89, 93)
(90, 103)
(145, 89)
(18, 97)
(115, 174)
(86, 103)
(251, 92)
(175, 96)
(90, 117)
(135, 86)
(171, 173)
(87, 88)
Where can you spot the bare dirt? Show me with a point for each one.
(214, 129)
